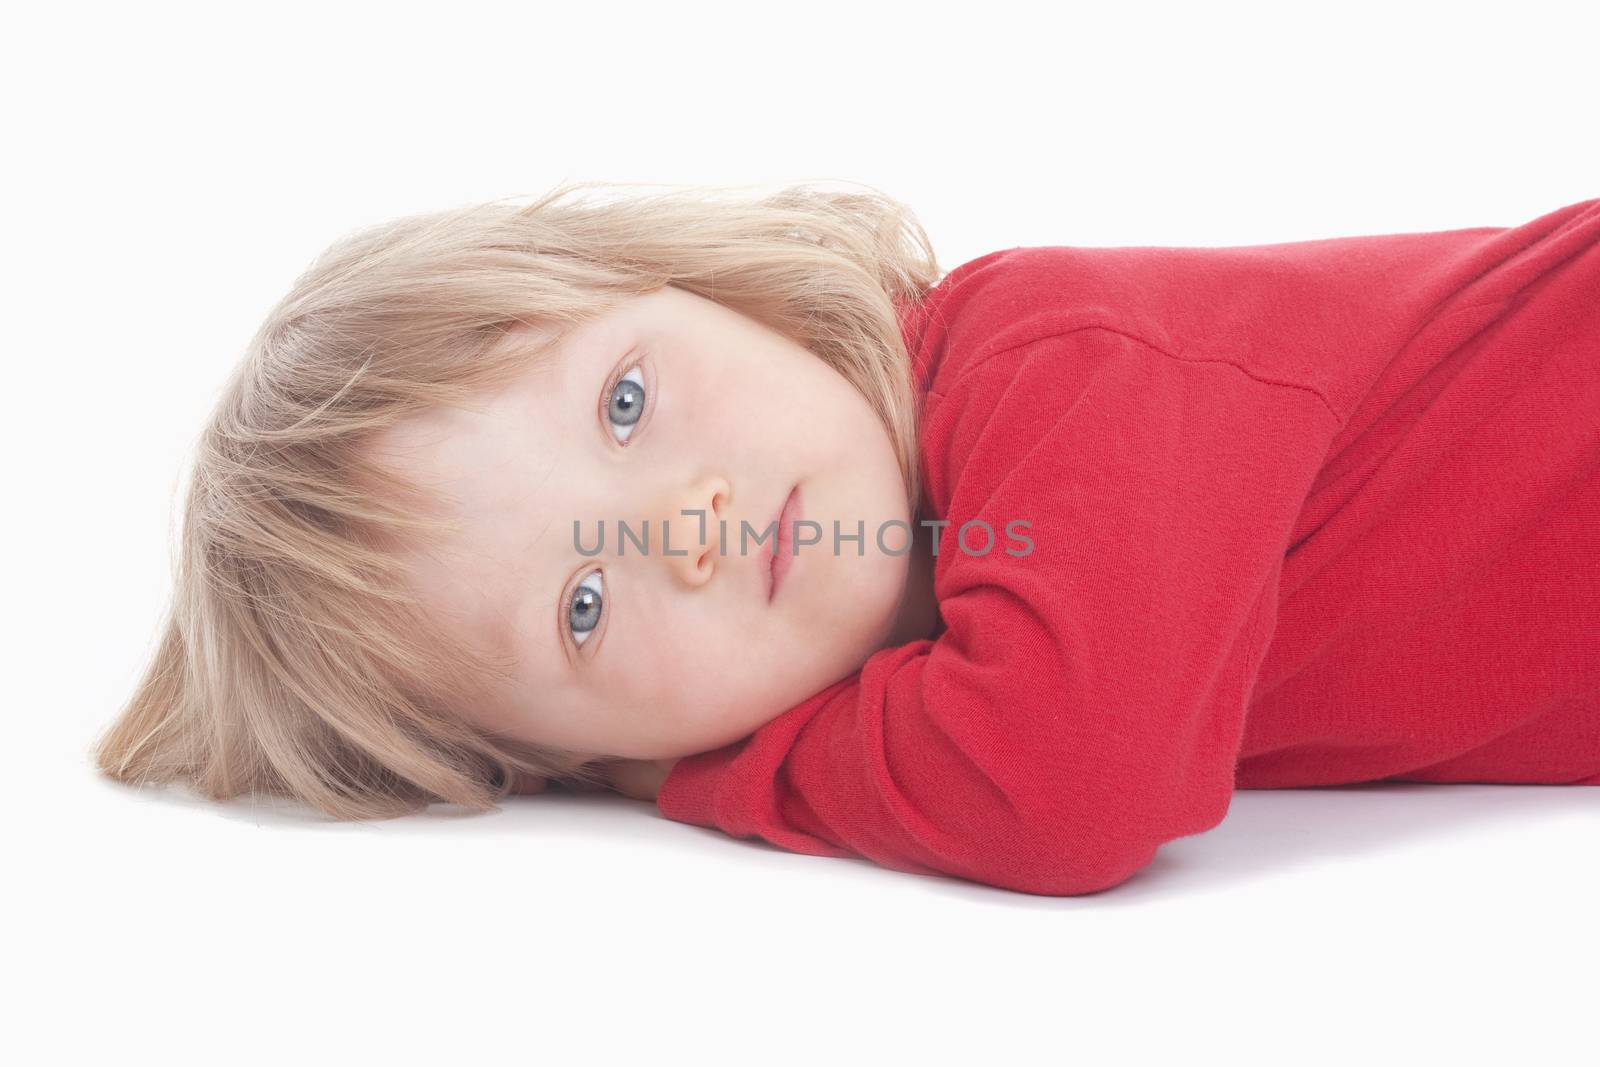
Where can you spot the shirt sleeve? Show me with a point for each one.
(1086, 701)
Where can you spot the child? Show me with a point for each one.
(1068, 546)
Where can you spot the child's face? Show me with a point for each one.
(682, 652)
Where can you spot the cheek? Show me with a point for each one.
(672, 666)
(704, 675)
(690, 700)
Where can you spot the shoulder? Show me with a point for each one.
(1013, 297)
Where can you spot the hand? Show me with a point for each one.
(526, 783)
(639, 778)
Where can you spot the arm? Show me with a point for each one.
(1086, 701)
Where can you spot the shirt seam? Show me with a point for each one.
(974, 366)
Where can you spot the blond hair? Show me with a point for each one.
(293, 659)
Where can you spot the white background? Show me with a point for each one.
(170, 169)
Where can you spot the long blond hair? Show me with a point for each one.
(293, 659)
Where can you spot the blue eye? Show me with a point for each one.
(624, 409)
(583, 609)
(627, 403)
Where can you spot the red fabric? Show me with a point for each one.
(1308, 513)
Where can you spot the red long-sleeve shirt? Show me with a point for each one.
(1303, 514)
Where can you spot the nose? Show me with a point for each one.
(692, 518)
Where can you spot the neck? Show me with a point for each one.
(918, 615)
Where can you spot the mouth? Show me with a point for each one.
(782, 558)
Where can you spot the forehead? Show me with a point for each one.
(447, 439)
(484, 468)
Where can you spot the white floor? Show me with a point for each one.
(1312, 926)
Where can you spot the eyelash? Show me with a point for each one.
(567, 602)
(645, 386)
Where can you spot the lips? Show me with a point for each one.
(782, 557)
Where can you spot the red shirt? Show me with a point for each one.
(1302, 514)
